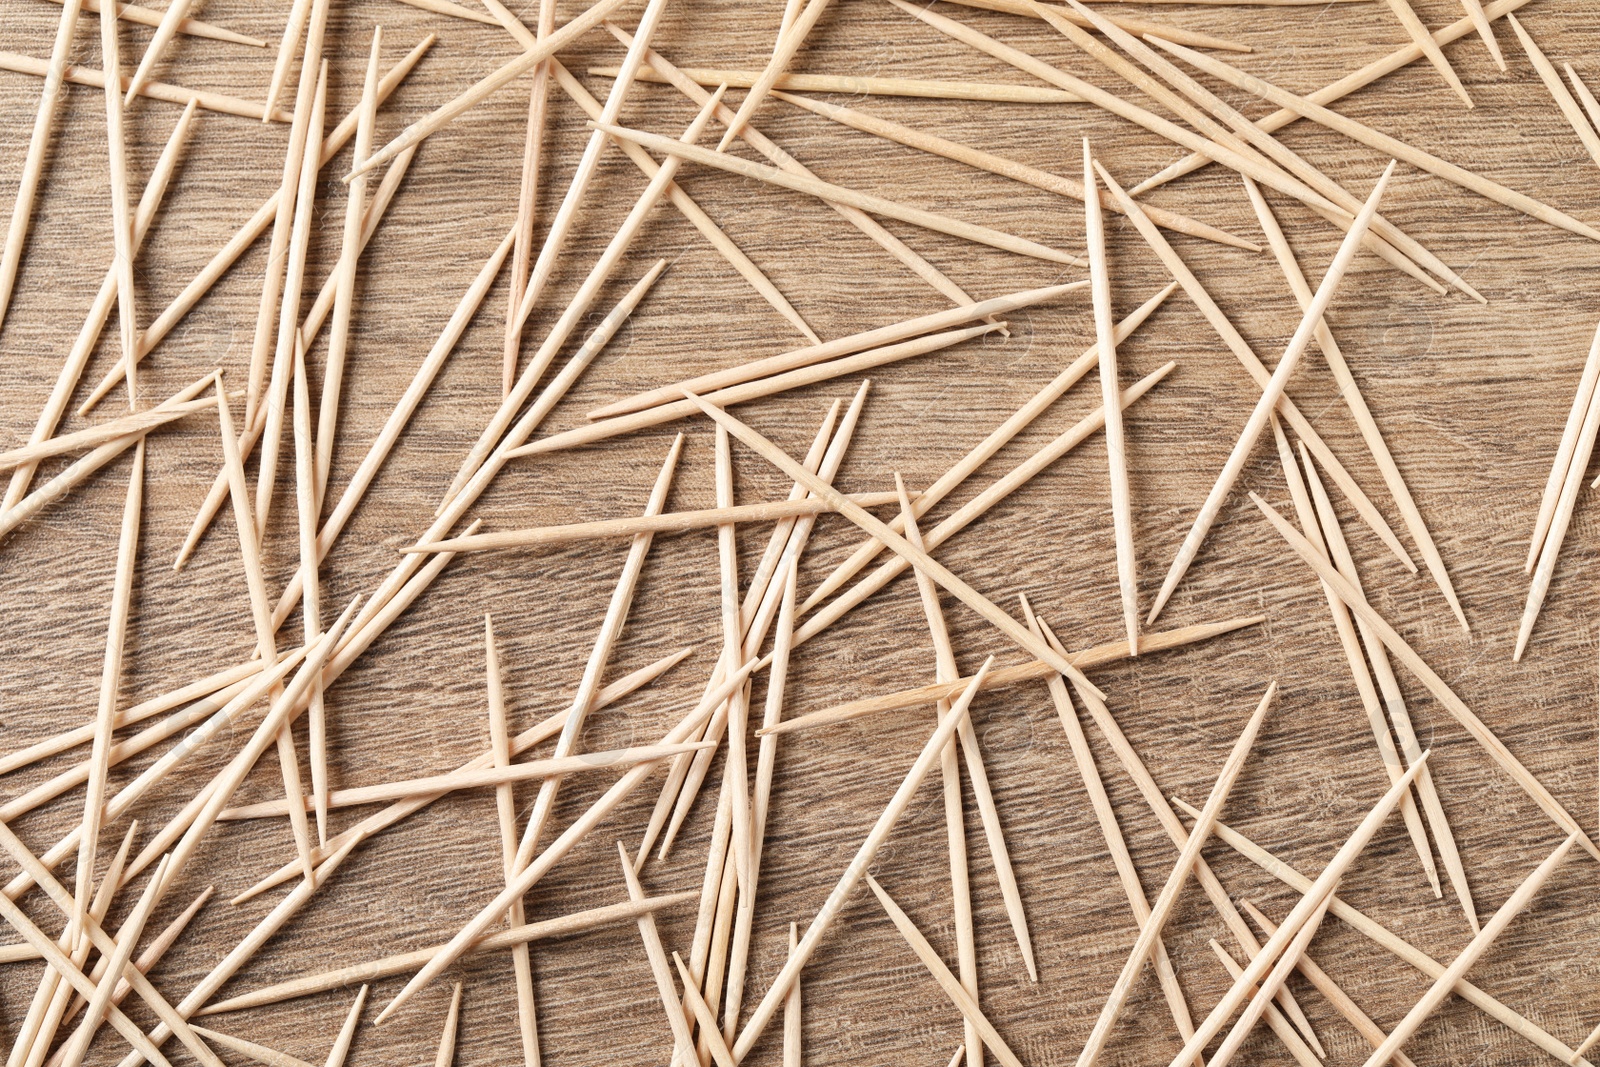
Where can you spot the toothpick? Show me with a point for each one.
(165, 32)
(506, 817)
(1387, 240)
(1479, 18)
(1357, 79)
(1005, 677)
(858, 85)
(682, 1035)
(121, 219)
(89, 334)
(345, 273)
(1445, 983)
(737, 767)
(984, 450)
(1409, 513)
(1564, 99)
(260, 1053)
(1270, 395)
(1260, 997)
(997, 491)
(1442, 692)
(828, 191)
(447, 1039)
(1382, 142)
(784, 161)
(793, 1026)
(1396, 945)
(38, 150)
(1394, 698)
(777, 992)
(444, 7)
(136, 424)
(705, 1016)
(292, 31)
(1127, 874)
(1424, 39)
(1591, 107)
(945, 657)
(308, 505)
(1559, 470)
(347, 1032)
(1135, 26)
(1256, 369)
(1008, 168)
(1297, 920)
(479, 455)
(789, 42)
(1315, 522)
(670, 522)
(1165, 901)
(110, 683)
(794, 359)
(389, 966)
(1588, 1043)
(1275, 1021)
(948, 982)
(145, 16)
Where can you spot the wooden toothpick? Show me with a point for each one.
(682, 1034)
(1274, 1018)
(347, 1032)
(447, 1038)
(859, 85)
(1424, 38)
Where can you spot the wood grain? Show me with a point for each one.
(1471, 399)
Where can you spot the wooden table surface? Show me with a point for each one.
(1471, 398)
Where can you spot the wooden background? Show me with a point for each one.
(1471, 399)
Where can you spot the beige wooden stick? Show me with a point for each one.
(682, 1033)
(55, 72)
(671, 522)
(1382, 142)
(948, 982)
(899, 545)
(783, 160)
(83, 345)
(738, 394)
(1394, 698)
(1110, 391)
(1167, 899)
(790, 40)
(136, 424)
(1260, 998)
(1256, 369)
(778, 991)
(1326, 985)
(446, 1055)
(1231, 128)
(1396, 945)
(246, 235)
(1563, 461)
(1004, 677)
(705, 1016)
(347, 1032)
(445, 7)
(1309, 904)
(145, 16)
(985, 450)
(1437, 686)
(1274, 1018)
(1445, 983)
(945, 655)
(689, 209)
(794, 359)
(287, 46)
(485, 447)
(828, 191)
(1424, 39)
(1479, 18)
(1127, 874)
(372, 971)
(530, 58)
(1591, 106)
(859, 85)
(558, 848)
(1409, 513)
(175, 13)
(345, 275)
(1270, 395)
(1564, 99)
(1314, 522)
(1560, 519)
(121, 214)
(110, 684)
(1008, 168)
(128, 935)
(1588, 1043)
(307, 499)
(793, 1024)
(1357, 79)
(255, 1051)
(533, 770)
(1029, 9)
